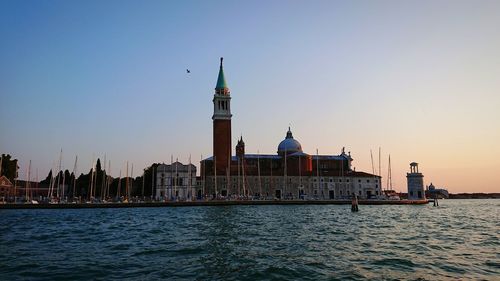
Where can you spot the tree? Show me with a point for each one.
(9, 167)
(47, 179)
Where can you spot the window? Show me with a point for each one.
(359, 180)
(331, 180)
(360, 193)
(367, 180)
(347, 180)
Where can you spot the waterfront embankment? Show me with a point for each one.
(209, 203)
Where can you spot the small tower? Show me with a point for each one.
(240, 148)
(415, 181)
(222, 124)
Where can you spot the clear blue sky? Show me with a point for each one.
(418, 78)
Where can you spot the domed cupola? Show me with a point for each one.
(289, 144)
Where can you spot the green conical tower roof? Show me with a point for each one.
(221, 80)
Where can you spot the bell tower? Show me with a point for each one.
(415, 181)
(222, 124)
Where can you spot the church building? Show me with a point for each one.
(290, 173)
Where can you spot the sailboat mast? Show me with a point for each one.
(74, 175)
(215, 175)
(37, 183)
(317, 168)
(373, 168)
(271, 184)
(379, 162)
(91, 178)
(143, 180)
(152, 180)
(189, 179)
(285, 177)
(27, 187)
(300, 176)
(243, 174)
(176, 178)
(63, 183)
(390, 173)
(126, 183)
(239, 176)
(202, 176)
(131, 180)
(172, 178)
(108, 179)
(58, 171)
(258, 173)
(118, 190)
(103, 183)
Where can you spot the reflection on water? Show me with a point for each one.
(459, 239)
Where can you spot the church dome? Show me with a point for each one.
(289, 144)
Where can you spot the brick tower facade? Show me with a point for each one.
(222, 124)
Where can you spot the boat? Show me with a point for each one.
(390, 193)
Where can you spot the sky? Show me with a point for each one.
(418, 79)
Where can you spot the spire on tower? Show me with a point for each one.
(221, 86)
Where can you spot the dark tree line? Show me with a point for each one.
(82, 187)
(116, 186)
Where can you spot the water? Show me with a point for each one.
(458, 240)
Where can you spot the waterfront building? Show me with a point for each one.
(290, 173)
(434, 192)
(415, 181)
(6, 188)
(176, 182)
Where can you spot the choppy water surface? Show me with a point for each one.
(459, 239)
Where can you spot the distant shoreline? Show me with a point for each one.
(211, 203)
(474, 196)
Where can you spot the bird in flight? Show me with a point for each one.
(188, 71)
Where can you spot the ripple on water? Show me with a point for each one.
(458, 240)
